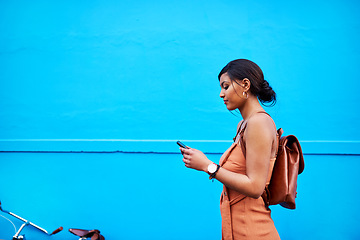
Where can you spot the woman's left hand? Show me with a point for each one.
(195, 159)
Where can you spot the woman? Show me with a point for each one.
(245, 168)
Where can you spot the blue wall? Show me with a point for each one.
(94, 94)
(152, 196)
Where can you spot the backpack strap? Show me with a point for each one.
(266, 194)
(241, 131)
(243, 121)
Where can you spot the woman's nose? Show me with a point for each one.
(222, 95)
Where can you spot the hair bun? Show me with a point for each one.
(266, 93)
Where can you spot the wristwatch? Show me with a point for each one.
(212, 169)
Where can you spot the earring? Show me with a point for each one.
(245, 94)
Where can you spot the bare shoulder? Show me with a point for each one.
(261, 125)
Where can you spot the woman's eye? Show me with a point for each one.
(226, 87)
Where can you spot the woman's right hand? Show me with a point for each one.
(195, 159)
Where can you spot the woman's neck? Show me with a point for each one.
(251, 106)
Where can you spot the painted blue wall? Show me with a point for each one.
(120, 81)
(152, 196)
(147, 69)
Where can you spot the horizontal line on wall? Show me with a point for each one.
(151, 140)
(316, 147)
(328, 141)
(106, 140)
(207, 153)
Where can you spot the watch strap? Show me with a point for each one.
(212, 175)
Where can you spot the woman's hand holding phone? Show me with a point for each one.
(194, 158)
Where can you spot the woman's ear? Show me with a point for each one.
(246, 84)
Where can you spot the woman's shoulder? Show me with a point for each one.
(261, 122)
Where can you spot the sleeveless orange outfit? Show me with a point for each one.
(244, 217)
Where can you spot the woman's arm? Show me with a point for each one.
(259, 137)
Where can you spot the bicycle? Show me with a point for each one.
(83, 234)
(17, 235)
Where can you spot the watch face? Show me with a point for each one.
(212, 168)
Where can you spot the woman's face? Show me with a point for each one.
(231, 93)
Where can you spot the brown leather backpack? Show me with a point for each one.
(289, 164)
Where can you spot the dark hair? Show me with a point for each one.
(242, 68)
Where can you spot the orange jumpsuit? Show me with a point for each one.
(244, 217)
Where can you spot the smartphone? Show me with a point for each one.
(181, 144)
